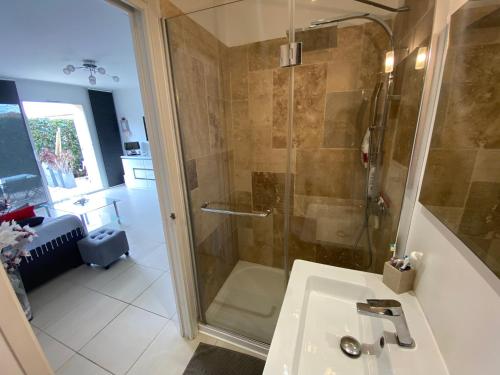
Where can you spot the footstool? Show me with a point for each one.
(103, 246)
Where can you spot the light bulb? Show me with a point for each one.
(92, 80)
(71, 68)
(116, 78)
(101, 70)
(389, 61)
(66, 71)
(421, 58)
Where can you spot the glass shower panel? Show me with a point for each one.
(355, 115)
(232, 117)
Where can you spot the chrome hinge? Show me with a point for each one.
(290, 54)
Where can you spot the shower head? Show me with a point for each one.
(331, 21)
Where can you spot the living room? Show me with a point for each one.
(77, 169)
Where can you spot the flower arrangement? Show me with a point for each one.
(13, 241)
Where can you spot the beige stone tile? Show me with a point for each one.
(264, 55)
(449, 216)
(345, 64)
(317, 39)
(309, 105)
(487, 167)
(345, 119)
(344, 179)
(477, 64)
(473, 25)
(472, 118)
(281, 81)
(447, 177)
(481, 217)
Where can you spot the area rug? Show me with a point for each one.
(213, 360)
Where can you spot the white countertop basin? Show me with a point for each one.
(320, 308)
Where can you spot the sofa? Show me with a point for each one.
(53, 251)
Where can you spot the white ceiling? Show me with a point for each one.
(248, 21)
(40, 37)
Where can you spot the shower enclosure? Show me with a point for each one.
(296, 122)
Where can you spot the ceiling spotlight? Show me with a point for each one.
(92, 68)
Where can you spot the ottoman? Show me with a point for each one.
(103, 246)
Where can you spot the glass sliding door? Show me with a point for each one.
(231, 106)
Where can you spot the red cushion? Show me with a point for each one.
(20, 214)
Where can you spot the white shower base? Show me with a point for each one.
(249, 302)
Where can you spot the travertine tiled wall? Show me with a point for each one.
(462, 177)
(204, 112)
(331, 93)
(233, 107)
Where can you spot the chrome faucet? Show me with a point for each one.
(388, 309)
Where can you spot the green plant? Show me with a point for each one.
(43, 132)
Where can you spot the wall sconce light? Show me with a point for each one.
(421, 58)
(389, 61)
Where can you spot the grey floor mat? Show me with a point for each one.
(213, 360)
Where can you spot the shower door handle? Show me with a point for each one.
(206, 208)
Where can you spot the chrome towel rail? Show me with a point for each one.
(206, 208)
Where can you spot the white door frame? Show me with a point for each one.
(151, 57)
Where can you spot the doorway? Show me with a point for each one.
(63, 145)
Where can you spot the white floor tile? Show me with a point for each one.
(169, 353)
(156, 258)
(80, 316)
(48, 307)
(49, 292)
(77, 365)
(95, 277)
(159, 297)
(55, 352)
(128, 285)
(120, 344)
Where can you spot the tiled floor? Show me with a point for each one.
(92, 321)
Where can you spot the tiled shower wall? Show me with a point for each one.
(203, 109)
(331, 90)
(233, 111)
(462, 179)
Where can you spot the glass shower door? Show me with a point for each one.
(231, 105)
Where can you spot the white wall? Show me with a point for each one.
(458, 294)
(39, 91)
(128, 104)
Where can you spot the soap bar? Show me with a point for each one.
(398, 281)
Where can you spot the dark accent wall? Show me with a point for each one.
(17, 159)
(106, 123)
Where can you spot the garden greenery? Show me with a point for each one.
(44, 130)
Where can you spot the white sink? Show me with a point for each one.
(320, 308)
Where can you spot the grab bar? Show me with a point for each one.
(205, 207)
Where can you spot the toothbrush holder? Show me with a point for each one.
(398, 281)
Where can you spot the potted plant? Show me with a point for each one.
(59, 167)
(13, 242)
